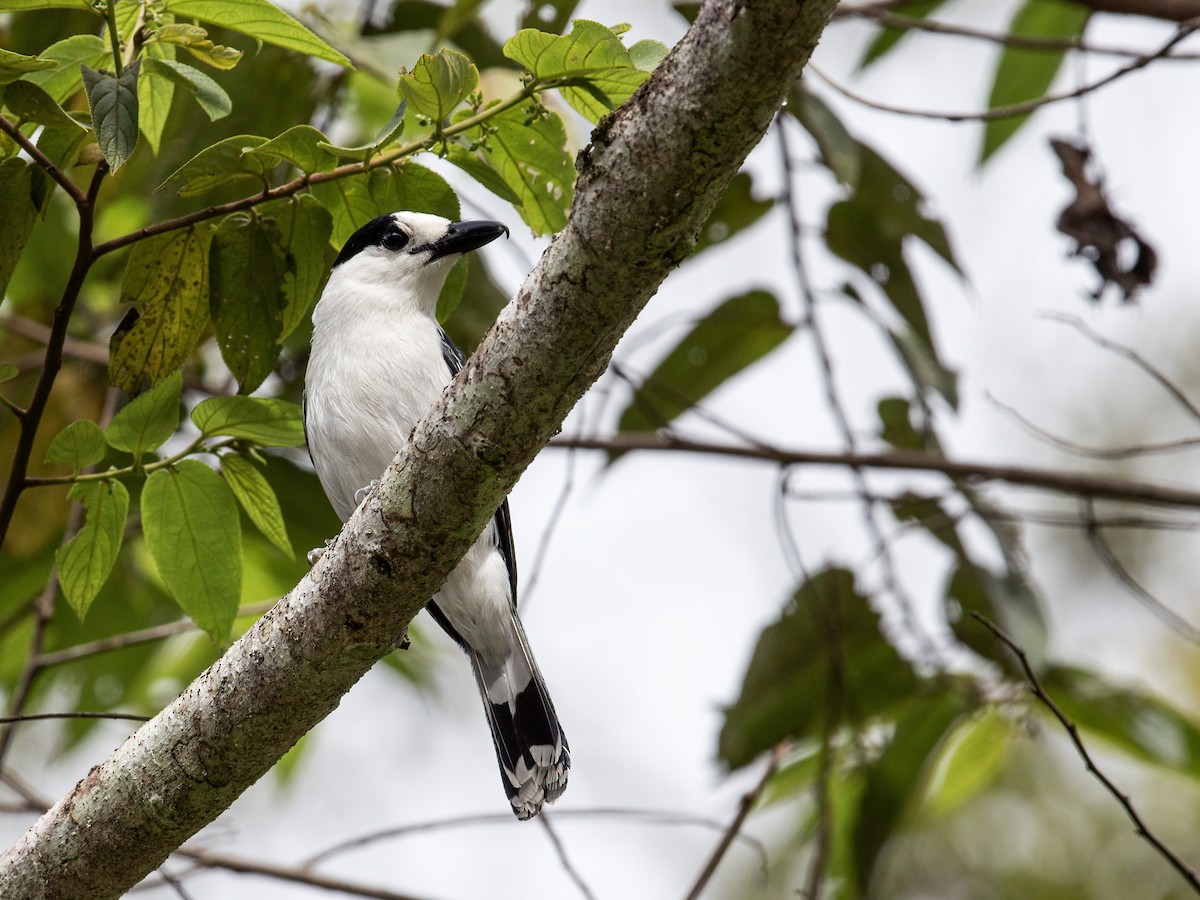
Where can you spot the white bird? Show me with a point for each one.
(379, 362)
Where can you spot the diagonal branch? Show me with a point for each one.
(647, 184)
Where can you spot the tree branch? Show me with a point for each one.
(647, 184)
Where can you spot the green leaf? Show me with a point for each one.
(304, 227)
(85, 561)
(192, 528)
(838, 149)
(1005, 598)
(149, 420)
(79, 445)
(257, 499)
(167, 276)
(1024, 74)
(114, 106)
(17, 215)
(62, 146)
(969, 760)
(925, 368)
(736, 334)
(438, 84)
(356, 200)
(32, 104)
(896, 426)
(531, 157)
(475, 166)
(247, 299)
(888, 37)
(1139, 724)
(895, 778)
(269, 422)
(70, 53)
(8, 372)
(195, 40)
(225, 162)
(262, 21)
(15, 5)
(552, 15)
(15, 65)
(646, 55)
(300, 146)
(737, 209)
(825, 658)
(207, 93)
(156, 91)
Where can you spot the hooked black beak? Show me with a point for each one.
(463, 237)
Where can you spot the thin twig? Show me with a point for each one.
(1140, 827)
(564, 860)
(1015, 109)
(62, 178)
(34, 717)
(1073, 483)
(739, 819)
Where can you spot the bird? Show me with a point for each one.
(379, 361)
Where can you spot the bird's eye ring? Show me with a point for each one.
(394, 240)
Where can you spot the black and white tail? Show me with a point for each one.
(530, 745)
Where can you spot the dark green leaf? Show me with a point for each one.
(32, 104)
(210, 96)
(304, 227)
(64, 79)
(17, 215)
(15, 65)
(839, 150)
(475, 166)
(8, 372)
(114, 105)
(737, 209)
(300, 146)
(355, 201)
(257, 499)
(823, 663)
(531, 157)
(62, 147)
(438, 83)
(269, 422)
(192, 528)
(167, 276)
(551, 15)
(248, 268)
(927, 512)
(736, 334)
(1024, 74)
(85, 561)
(149, 420)
(225, 162)
(895, 780)
(1005, 598)
(896, 426)
(262, 21)
(1139, 724)
(79, 445)
(888, 37)
(926, 370)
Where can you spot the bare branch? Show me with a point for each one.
(1142, 829)
(565, 861)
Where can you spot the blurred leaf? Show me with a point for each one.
(191, 524)
(167, 276)
(924, 367)
(895, 779)
(646, 55)
(15, 65)
(438, 84)
(149, 420)
(156, 91)
(969, 761)
(32, 104)
(269, 422)
(84, 562)
(262, 21)
(356, 200)
(390, 132)
(1145, 727)
(928, 513)
(839, 150)
(79, 445)
(825, 662)
(225, 162)
(736, 334)
(8, 372)
(70, 53)
(257, 499)
(737, 209)
(1005, 598)
(210, 96)
(300, 146)
(889, 37)
(550, 15)
(195, 40)
(248, 269)
(114, 105)
(304, 227)
(896, 426)
(17, 215)
(471, 35)
(1023, 74)
(62, 146)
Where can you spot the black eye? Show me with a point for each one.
(394, 240)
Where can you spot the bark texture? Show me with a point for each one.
(647, 184)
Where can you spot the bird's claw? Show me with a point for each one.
(361, 494)
(316, 553)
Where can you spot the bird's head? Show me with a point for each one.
(409, 253)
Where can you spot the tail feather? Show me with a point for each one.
(530, 745)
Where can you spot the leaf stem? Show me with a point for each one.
(114, 37)
(196, 447)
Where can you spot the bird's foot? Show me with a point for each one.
(316, 553)
(361, 494)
